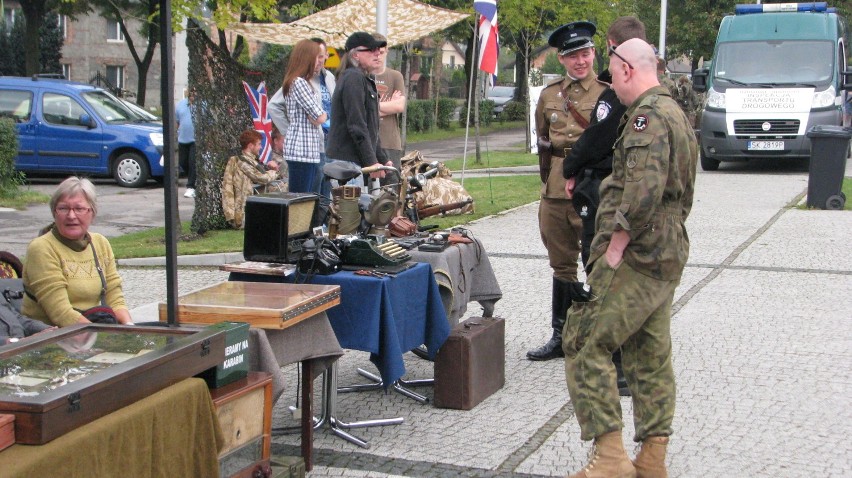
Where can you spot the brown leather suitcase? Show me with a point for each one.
(471, 365)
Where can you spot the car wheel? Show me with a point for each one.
(708, 163)
(130, 170)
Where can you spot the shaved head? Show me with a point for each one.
(634, 70)
(639, 54)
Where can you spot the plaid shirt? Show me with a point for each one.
(304, 141)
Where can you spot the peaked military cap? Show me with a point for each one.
(572, 37)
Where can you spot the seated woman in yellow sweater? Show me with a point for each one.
(61, 272)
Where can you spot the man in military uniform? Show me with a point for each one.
(639, 252)
(590, 160)
(562, 113)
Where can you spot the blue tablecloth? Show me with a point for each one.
(384, 316)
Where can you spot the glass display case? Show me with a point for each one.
(56, 381)
(266, 305)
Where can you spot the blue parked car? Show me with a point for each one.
(67, 127)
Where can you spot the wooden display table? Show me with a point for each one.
(262, 305)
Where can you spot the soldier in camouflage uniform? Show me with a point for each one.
(689, 100)
(639, 252)
(562, 113)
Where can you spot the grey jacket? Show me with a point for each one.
(13, 324)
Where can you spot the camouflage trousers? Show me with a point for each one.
(630, 310)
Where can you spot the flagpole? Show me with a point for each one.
(473, 58)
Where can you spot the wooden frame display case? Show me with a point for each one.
(56, 381)
(244, 409)
(264, 305)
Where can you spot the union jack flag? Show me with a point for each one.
(489, 39)
(258, 102)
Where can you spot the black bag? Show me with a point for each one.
(100, 315)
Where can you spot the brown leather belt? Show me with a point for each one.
(560, 152)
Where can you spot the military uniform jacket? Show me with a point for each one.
(594, 148)
(553, 120)
(649, 193)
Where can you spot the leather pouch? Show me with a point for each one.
(545, 155)
(401, 227)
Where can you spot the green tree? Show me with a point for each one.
(51, 41)
(12, 49)
(35, 14)
(551, 65)
(9, 178)
(148, 13)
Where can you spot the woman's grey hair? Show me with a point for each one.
(72, 187)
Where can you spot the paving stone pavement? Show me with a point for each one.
(761, 335)
(762, 347)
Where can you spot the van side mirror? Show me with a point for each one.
(87, 121)
(699, 79)
(846, 83)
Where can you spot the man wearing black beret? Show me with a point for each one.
(563, 112)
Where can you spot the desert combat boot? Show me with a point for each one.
(608, 459)
(650, 462)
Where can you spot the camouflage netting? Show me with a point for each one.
(222, 113)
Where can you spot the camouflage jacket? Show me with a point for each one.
(241, 174)
(650, 191)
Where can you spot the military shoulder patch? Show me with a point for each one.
(640, 123)
(602, 110)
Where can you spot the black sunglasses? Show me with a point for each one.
(612, 52)
(362, 50)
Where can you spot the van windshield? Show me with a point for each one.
(775, 63)
(108, 107)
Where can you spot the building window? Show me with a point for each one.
(452, 61)
(66, 70)
(115, 75)
(114, 31)
(63, 26)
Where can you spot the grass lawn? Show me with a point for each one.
(491, 196)
(493, 159)
(457, 131)
(151, 242)
(23, 198)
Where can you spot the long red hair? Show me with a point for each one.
(301, 64)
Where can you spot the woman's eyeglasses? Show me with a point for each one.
(612, 52)
(80, 211)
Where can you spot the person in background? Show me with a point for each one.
(638, 254)
(562, 113)
(68, 269)
(590, 160)
(664, 79)
(186, 141)
(391, 89)
(276, 162)
(305, 139)
(324, 82)
(354, 133)
(242, 173)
